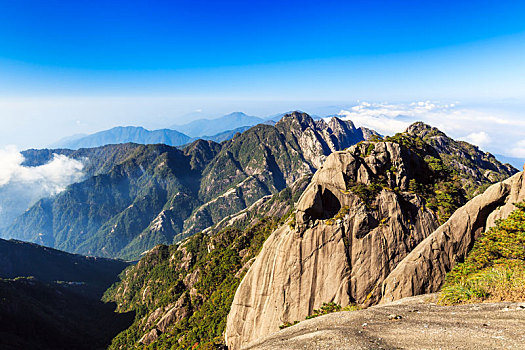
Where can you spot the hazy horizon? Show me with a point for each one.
(73, 68)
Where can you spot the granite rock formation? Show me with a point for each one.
(424, 269)
(362, 234)
(342, 247)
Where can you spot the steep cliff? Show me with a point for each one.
(366, 209)
(424, 269)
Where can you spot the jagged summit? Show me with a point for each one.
(421, 129)
(475, 167)
(303, 119)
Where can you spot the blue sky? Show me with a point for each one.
(81, 66)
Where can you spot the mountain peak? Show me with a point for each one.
(236, 114)
(303, 119)
(423, 130)
(338, 122)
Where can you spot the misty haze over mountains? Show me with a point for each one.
(22, 186)
(46, 173)
(217, 130)
(489, 127)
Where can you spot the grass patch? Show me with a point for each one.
(495, 268)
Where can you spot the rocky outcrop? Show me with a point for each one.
(411, 324)
(424, 269)
(317, 139)
(363, 232)
(475, 167)
(342, 246)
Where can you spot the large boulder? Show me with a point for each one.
(424, 269)
(341, 248)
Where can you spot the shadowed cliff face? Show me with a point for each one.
(343, 246)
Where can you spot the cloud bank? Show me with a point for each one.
(480, 139)
(22, 186)
(498, 131)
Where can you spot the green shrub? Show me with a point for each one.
(326, 308)
(495, 267)
(369, 149)
(288, 324)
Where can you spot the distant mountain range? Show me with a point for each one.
(125, 134)
(203, 127)
(22, 259)
(218, 130)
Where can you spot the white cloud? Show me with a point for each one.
(480, 139)
(51, 178)
(519, 149)
(22, 186)
(498, 129)
(391, 118)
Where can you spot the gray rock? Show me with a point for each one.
(344, 250)
(300, 269)
(424, 269)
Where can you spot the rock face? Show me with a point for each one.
(343, 245)
(475, 167)
(431, 327)
(363, 232)
(424, 269)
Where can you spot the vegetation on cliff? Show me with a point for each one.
(191, 285)
(453, 171)
(495, 268)
(475, 169)
(434, 180)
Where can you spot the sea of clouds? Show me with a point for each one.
(21, 186)
(496, 131)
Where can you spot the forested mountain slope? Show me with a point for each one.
(137, 196)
